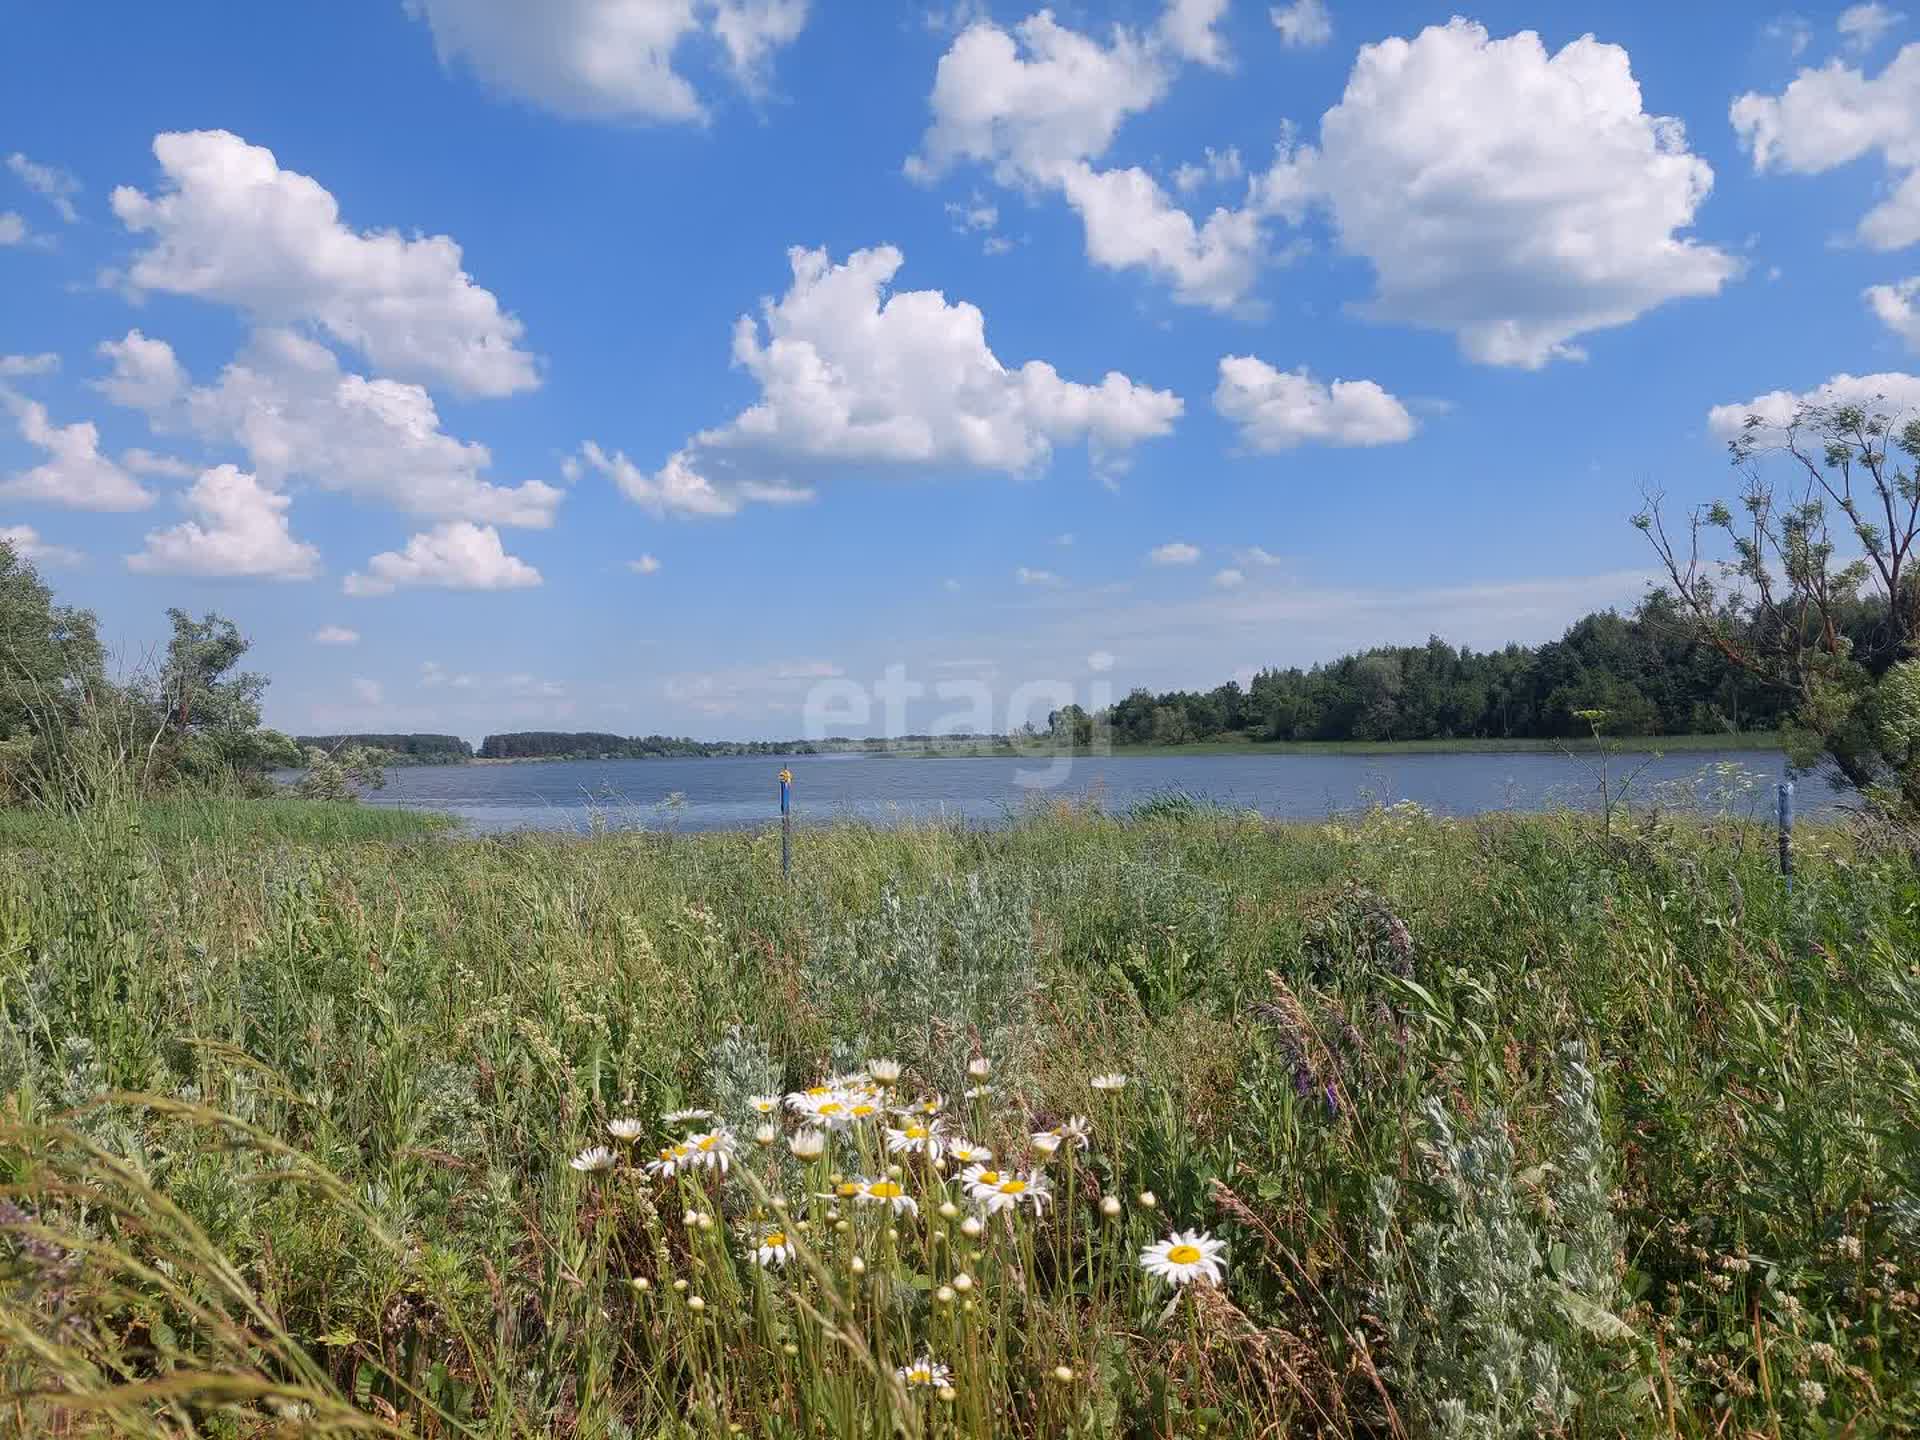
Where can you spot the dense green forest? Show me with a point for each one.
(1649, 673)
(396, 749)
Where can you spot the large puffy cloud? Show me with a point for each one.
(1514, 198)
(297, 415)
(609, 59)
(228, 224)
(1040, 102)
(74, 473)
(850, 372)
(1893, 306)
(239, 528)
(1279, 409)
(454, 556)
(1832, 116)
(1893, 393)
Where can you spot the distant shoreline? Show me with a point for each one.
(1758, 740)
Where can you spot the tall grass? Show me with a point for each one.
(1509, 1128)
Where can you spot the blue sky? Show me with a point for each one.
(1216, 334)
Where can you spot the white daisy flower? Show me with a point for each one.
(1010, 1189)
(596, 1157)
(800, 1101)
(807, 1145)
(712, 1148)
(1110, 1081)
(1186, 1256)
(627, 1130)
(1045, 1141)
(884, 1072)
(965, 1152)
(926, 1373)
(774, 1248)
(889, 1193)
(671, 1159)
(832, 1110)
(681, 1117)
(764, 1104)
(915, 1138)
(1075, 1129)
(977, 1092)
(861, 1108)
(979, 1067)
(925, 1105)
(765, 1135)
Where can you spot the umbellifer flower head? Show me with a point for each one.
(1186, 1256)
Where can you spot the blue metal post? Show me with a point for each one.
(786, 822)
(1784, 793)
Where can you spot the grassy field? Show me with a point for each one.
(1498, 1128)
(174, 821)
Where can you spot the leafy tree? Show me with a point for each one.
(1768, 588)
(204, 711)
(52, 672)
(340, 775)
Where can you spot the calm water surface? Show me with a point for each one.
(742, 791)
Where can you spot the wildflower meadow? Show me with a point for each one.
(1181, 1124)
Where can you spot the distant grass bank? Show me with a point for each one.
(206, 819)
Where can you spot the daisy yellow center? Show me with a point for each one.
(920, 1375)
(846, 1187)
(708, 1142)
(885, 1190)
(819, 1090)
(860, 1112)
(1183, 1254)
(832, 1107)
(775, 1240)
(989, 1177)
(916, 1132)
(1012, 1187)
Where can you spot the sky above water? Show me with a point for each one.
(667, 365)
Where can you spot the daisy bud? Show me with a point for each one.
(966, 1307)
(970, 1226)
(1109, 1207)
(690, 1218)
(642, 1284)
(780, 1203)
(706, 1222)
(857, 1265)
(893, 1232)
(1063, 1373)
(948, 1210)
(696, 1304)
(944, 1294)
(963, 1282)
(833, 1212)
(979, 1067)
(939, 1237)
(680, 1285)
(765, 1135)
(894, 1172)
(1148, 1201)
(841, 1227)
(789, 1349)
(949, 1394)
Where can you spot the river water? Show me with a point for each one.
(742, 791)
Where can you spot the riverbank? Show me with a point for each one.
(178, 820)
(1442, 1091)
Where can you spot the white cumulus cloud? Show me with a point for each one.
(1515, 198)
(29, 546)
(611, 59)
(852, 372)
(298, 416)
(1230, 578)
(228, 224)
(1174, 552)
(18, 366)
(1893, 306)
(239, 529)
(645, 565)
(1893, 393)
(456, 556)
(1303, 24)
(1834, 115)
(1039, 103)
(336, 635)
(74, 473)
(1279, 409)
